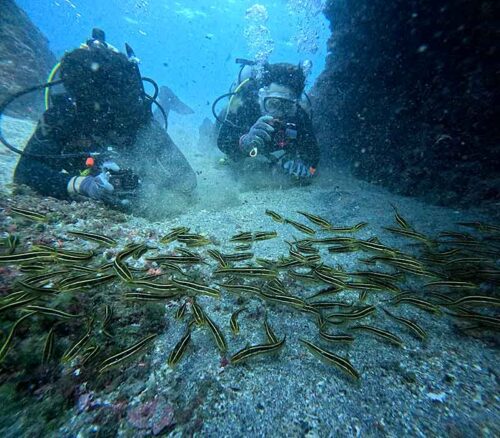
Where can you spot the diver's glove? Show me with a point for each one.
(298, 168)
(258, 136)
(94, 187)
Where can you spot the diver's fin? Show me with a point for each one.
(130, 51)
(98, 34)
(170, 102)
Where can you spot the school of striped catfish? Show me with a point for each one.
(457, 273)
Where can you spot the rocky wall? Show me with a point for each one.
(25, 59)
(409, 97)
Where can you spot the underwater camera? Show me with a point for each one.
(284, 131)
(291, 131)
(124, 181)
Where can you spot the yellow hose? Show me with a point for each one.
(238, 88)
(49, 80)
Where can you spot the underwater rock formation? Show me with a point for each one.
(25, 59)
(207, 134)
(408, 97)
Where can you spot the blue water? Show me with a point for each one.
(189, 45)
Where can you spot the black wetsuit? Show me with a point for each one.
(143, 146)
(303, 146)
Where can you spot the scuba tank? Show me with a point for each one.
(92, 88)
(248, 70)
(105, 86)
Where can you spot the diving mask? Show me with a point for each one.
(278, 103)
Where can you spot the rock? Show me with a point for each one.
(155, 415)
(437, 397)
(163, 420)
(141, 415)
(407, 98)
(207, 134)
(25, 60)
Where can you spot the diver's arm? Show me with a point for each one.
(36, 173)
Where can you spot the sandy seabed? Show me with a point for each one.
(447, 385)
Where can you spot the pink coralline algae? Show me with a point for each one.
(155, 415)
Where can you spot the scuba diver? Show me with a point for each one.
(267, 116)
(97, 138)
